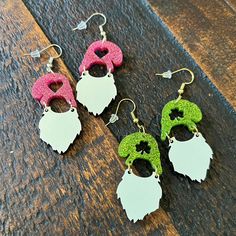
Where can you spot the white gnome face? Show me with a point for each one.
(192, 157)
(96, 93)
(59, 129)
(139, 196)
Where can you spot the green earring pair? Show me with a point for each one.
(141, 195)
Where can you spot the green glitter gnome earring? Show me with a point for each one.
(191, 157)
(139, 195)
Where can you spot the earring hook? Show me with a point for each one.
(168, 75)
(83, 24)
(114, 117)
(37, 53)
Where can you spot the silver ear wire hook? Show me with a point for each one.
(37, 53)
(114, 117)
(83, 24)
(168, 74)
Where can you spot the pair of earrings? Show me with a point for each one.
(60, 129)
(141, 195)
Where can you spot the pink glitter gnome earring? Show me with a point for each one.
(97, 93)
(56, 129)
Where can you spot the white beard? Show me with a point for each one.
(139, 195)
(192, 157)
(96, 93)
(59, 129)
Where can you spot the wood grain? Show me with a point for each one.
(149, 47)
(41, 192)
(207, 30)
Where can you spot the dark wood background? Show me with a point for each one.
(43, 193)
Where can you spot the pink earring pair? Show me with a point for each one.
(59, 130)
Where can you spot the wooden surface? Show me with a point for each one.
(207, 30)
(42, 192)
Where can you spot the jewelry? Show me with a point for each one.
(56, 129)
(97, 93)
(192, 157)
(139, 195)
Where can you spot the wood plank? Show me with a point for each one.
(149, 47)
(42, 192)
(207, 30)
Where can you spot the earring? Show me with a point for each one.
(56, 129)
(97, 93)
(139, 195)
(192, 157)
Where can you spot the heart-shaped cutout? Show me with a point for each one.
(55, 86)
(101, 53)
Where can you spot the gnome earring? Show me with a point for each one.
(139, 195)
(97, 93)
(192, 157)
(56, 129)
